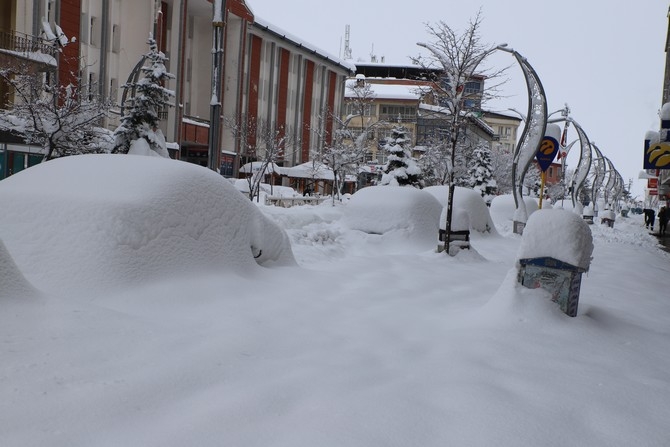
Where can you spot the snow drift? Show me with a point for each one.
(12, 281)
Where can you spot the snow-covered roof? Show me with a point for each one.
(310, 169)
(390, 91)
(504, 114)
(256, 166)
(261, 23)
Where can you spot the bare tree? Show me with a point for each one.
(501, 164)
(345, 154)
(434, 161)
(263, 147)
(458, 56)
(349, 147)
(62, 119)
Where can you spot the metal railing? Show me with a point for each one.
(25, 43)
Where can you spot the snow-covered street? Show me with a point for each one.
(368, 341)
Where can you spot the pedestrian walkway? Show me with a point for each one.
(664, 240)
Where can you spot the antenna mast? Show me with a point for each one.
(347, 48)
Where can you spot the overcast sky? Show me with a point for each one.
(604, 59)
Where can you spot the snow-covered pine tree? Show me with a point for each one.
(141, 118)
(480, 172)
(401, 169)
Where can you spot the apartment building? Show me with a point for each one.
(404, 95)
(269, 78)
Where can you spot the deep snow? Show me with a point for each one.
(370, 340)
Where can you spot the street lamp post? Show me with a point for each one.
(531, 137)
(218, 29)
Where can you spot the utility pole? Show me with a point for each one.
(218, 29)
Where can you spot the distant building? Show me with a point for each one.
(404, 95)
(663, 186)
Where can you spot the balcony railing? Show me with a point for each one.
(24, 43)
(395, 118)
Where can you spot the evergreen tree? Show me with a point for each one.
(480, 173)
(401, 169)
(142, 110)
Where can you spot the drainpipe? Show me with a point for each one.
(179, 88)
(104, 47)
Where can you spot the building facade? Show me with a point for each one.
(270, 80)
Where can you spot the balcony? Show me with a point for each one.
(397, 118)
(29, 47)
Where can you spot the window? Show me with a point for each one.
(393, 113)
(382, 157)
(116, 39)
(92, 79)
(190, 27)
(473, 87)
(83, 28)
(95, 32)
(354, 108)
(369, 157)
(114, 90)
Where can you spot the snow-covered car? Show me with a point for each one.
(96, 221)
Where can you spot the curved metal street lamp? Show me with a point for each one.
(531, 137)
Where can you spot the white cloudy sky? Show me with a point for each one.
(604, 59)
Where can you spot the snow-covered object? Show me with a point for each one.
(62, 38)
(557, 234)
(608, 214)
(503, 207)
(384, 209)
(311, 169)
(460, 220)
(48, 33)
(468, 200)
(256, 166)
(588, 211)
(145, 218)
(665, 112)
(141, 147)
(12, 281)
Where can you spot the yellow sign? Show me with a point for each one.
(547, 147)
(657, 156)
